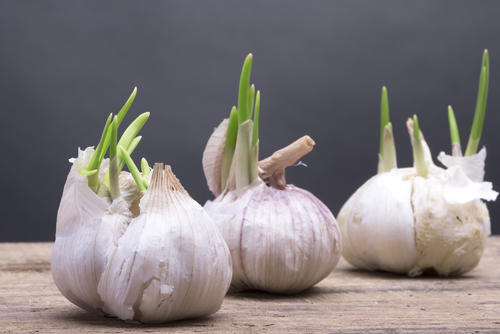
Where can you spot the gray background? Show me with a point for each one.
(64, 65)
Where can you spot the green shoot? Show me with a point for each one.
(251, 95)
(121, 114)
(254, 162)
(123, 111)
(132, 167)
(232, 128)
(132, 130)
(242, 157)
(120, 161)
(95, 161)
(388, 161)
(384, 117)
(255, 135)
(145, 170)
(387, 151)
(244, 90)
(227, 158)
(239, 165)
(130, 149)
(456, 148)
(455, 138)
(128, 139)
(109, 140)
(482, 96)
(87, 172)
(114, 184)
(418, 151)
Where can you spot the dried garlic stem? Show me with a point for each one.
(272, 169)
(173, 182)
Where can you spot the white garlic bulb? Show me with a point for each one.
(282, 238)
(404, 223)
(135, 245)
(410, 220)
(168, 262)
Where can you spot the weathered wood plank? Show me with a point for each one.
(348, 301)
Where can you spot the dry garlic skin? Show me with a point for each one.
(281, 241)
(451, 223)
(171, 263)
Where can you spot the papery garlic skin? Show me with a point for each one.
(417, 223)
(281, 241)
(171, 263)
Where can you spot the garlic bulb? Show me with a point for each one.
(410, 220)
(401, 222)
(282, 238)
(135, 245)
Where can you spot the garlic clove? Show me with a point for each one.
(171, 263)
(379, 235)
(73, 258)
(88, 227)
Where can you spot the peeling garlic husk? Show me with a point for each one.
(282, 238)
(416, 223)
(153, 257)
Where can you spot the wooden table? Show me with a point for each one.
(348, 301)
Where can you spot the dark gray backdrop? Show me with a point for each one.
(64, 65)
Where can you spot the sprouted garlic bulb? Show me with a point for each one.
(135, 245)
(409, 220)
(282, 238)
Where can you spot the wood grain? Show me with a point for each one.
(348, 301)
